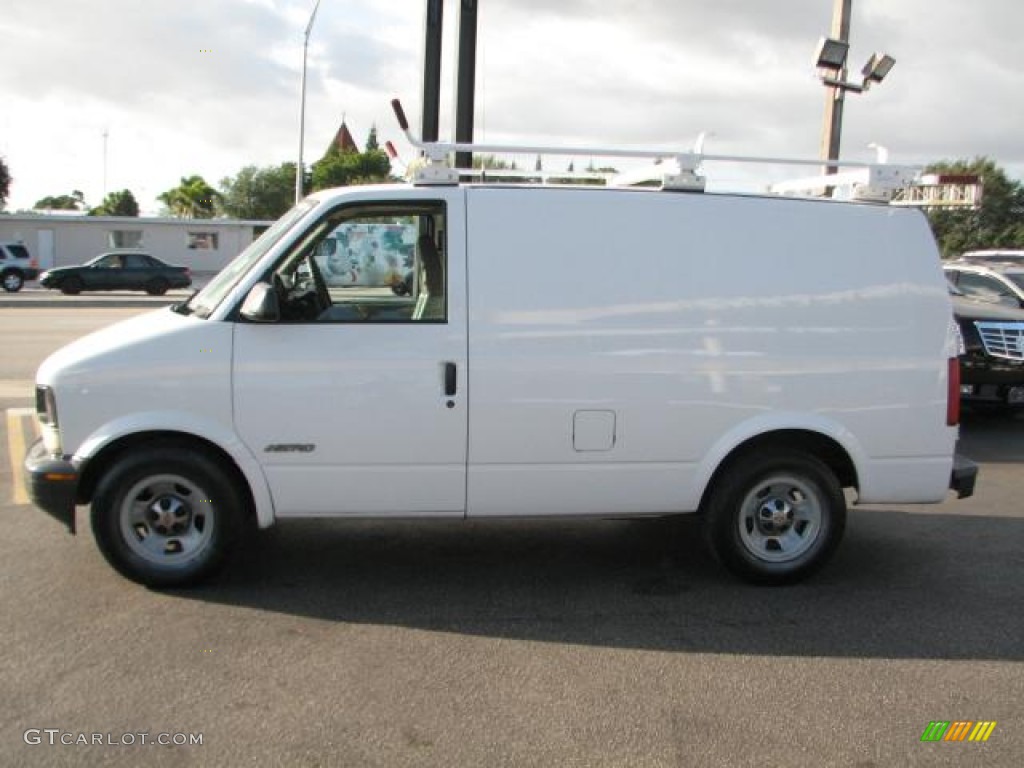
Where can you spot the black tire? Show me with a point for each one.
(71, 286)
(12, 280)
(157, 287)
(166, 516)
(775, 518)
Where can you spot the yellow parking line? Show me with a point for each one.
(16, 447)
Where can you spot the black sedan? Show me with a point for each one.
(118, 271)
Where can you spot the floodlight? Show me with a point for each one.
(832, 53)
(878, 66)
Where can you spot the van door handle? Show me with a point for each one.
(450, 379)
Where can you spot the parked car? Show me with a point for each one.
(16, 266)
(991, 282)
(992, 359)
(993, 256)
(118, 271)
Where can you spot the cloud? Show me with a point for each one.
(136, 54)
(210, 87)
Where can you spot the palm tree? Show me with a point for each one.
(192, 199)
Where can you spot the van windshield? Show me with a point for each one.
(206, 300)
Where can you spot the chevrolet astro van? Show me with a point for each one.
(562, 351)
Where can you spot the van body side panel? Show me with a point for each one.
(690, 318)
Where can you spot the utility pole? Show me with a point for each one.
(299, 170)
(466, 81)
(106, 135)
(432, 69)
(835, 96)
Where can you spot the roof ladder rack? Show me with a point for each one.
(436, 170)
(677, 170)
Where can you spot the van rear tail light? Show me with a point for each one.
(953, 393)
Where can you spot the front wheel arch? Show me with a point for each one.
(99, 464)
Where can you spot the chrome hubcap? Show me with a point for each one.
(167, 519)
(781, 518)
(168, 515)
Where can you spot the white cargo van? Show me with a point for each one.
(566, 351)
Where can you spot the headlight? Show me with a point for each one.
(46, 406)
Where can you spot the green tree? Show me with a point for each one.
(73, 202)
(997, 223)
(343, 168)
(193, 198)
(259, 193)
(5, 183)
(121, 203)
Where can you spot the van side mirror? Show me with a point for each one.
(261, 305)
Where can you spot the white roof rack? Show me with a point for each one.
(874, 183)
(679, 170)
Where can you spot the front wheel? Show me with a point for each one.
(166, 516)
(775, 519)
(71, 286)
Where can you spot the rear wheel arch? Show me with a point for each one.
(822, 447)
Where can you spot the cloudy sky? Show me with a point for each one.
(190, 86)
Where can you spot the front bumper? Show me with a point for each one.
(52, 484)
(963, 476)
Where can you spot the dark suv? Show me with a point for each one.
(16, 266)
(992, 362)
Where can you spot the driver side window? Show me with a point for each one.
(369, 264)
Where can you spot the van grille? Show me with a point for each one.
(1003, 339)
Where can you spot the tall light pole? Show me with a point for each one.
(106, 135)
(831, 63)
(832, 126)
(302, 105)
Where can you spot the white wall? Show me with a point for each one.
(77, 239)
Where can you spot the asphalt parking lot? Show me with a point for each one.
(526, 643)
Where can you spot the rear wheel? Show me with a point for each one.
(12, 281)
(166, 516)
(157, 287)
(775, 519)
(71, 285)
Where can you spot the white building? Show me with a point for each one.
(202, 245)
